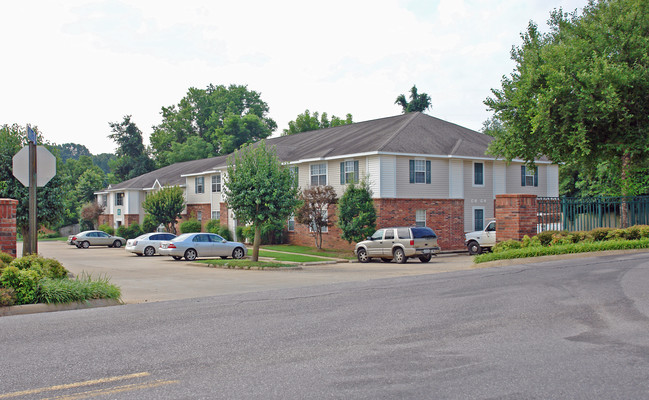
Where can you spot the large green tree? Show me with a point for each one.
(259, 189)
(224, 117)
(418, 101)
(579, 93)
(49, 197)
(356, 213)
(132, 159)
(165, 206)
(310, 122)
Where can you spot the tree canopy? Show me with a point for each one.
(165, 206)
(314, 210)
(259, 189)
(132, 159)
(356, 213)
(579, 93)
(223, 117)
(310, 122)
(418, 101)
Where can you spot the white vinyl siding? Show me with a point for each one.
(456, 179)
(477, 196)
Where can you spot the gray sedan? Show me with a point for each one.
(192, 245)
(86, 239)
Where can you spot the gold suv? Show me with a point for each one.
(398, 244)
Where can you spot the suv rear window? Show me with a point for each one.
(423, 233)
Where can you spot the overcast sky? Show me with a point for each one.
(72, 66)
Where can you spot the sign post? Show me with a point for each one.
(33, 212)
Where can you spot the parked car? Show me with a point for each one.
(399, 244)
(479, 241)
(86, 239)
(192, 245)
(148, 243)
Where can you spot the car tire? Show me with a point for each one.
(361, 254)
(425, 258)
(149, 251)
(386, 260)
(238, 253)
(117, 244)
(85, 244)
(190, 254)
(474, 248)
(400, 256)
(139, 254)
(177, 258)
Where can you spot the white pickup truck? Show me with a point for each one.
(479, 241)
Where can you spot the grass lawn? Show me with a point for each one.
(311, 251)
(287, 257)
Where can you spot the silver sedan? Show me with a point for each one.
(148, 243)
(192, 245)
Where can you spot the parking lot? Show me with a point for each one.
(157, 278)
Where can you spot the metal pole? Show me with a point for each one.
(33, 224)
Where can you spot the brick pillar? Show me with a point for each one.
(516, 216)
(8, 226)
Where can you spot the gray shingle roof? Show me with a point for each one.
(413, 133)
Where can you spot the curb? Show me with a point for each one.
(41, 307)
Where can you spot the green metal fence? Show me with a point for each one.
(583, 214)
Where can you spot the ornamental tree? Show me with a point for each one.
(356, 213)
(259, 189)
(165, 206)
(313, 211)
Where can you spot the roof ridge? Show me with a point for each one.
(405, 124)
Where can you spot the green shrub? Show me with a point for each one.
(632, 233)
(7, 297)
(546, 237)
(149, 224)
(45, 267)
(122, 231)
(5, 259)
(644, 230)
(225, 233)
(599, 234)
(129, 232)
(213, 226)
(190, 226)
(23, 281)
(240, 236)
(107, 228)
(507, 245)
(615, 234)
(80, 289)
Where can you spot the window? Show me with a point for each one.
(319, 174)
(403, 233)
(529, 176)
(478, 219)
(420, 218)
(295, 171)
(216, 183)
(216, 214)
(378, 235)
(199, 215)
(291, 223)
(348, 172)
(419, 171)
(199, 184)
(119, 199)
(478, 174)
(119, 211)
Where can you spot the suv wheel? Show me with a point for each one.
(474, 248)
(400, 256)
(361, 254)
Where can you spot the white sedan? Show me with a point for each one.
(148, 243)
(192, 245)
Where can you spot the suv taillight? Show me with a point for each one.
(412, 242)
(74, 238)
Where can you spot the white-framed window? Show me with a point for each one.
(119, 199)
(420, 171)
(529, 176)
(216, 214)
(478, 174)
(319, 174)
(349, 172)
(420, 218)
(199, 184)
(199, 215)
(291, 223)
(325, 215)
(295, 171)
(478, 218)
(216, 183)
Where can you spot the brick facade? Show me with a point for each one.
(8, 226)
(192, 212)
(131, 218)
(223, 207)
(444, 216)
(516, 216)
(107, 219)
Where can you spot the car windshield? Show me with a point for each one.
(423, 233)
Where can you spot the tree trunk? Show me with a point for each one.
(256, 243)
(624, 215)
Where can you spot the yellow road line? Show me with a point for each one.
(74, 385)
(117, 389)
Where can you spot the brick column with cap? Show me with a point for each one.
(8, 226)
(516, 216)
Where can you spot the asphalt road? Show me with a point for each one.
(571, 329)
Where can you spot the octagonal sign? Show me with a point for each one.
(45, 166)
